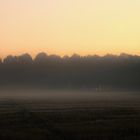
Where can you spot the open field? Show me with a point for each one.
(69, 115)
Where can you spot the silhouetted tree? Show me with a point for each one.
(0, 61)
(66, 57)
(54, 58)
(41, 58)
(25, 59)
(75, 57)
(10, 60)
(76, 71)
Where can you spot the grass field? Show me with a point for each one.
(73, 115)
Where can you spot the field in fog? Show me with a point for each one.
(69, 115)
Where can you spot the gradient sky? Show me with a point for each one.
(68, 26)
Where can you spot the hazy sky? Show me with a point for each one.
(68, 26)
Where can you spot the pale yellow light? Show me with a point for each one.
(69, 26)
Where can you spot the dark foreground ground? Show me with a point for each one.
(73, 115)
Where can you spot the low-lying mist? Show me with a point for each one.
(73, 95)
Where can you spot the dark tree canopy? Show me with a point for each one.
(41, 58)
(10, 59)
(90, 71)
(25, 59)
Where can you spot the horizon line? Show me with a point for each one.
(62, 56)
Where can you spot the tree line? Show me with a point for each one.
(53, 71)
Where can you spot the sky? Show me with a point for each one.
(65, 27)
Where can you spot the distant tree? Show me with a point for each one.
(66, 57)
(0, 61)
(25, 59)
(10, 60)
(54, 58)
(125, 56)
(92, 57)
(75, 57)
(41, 58)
